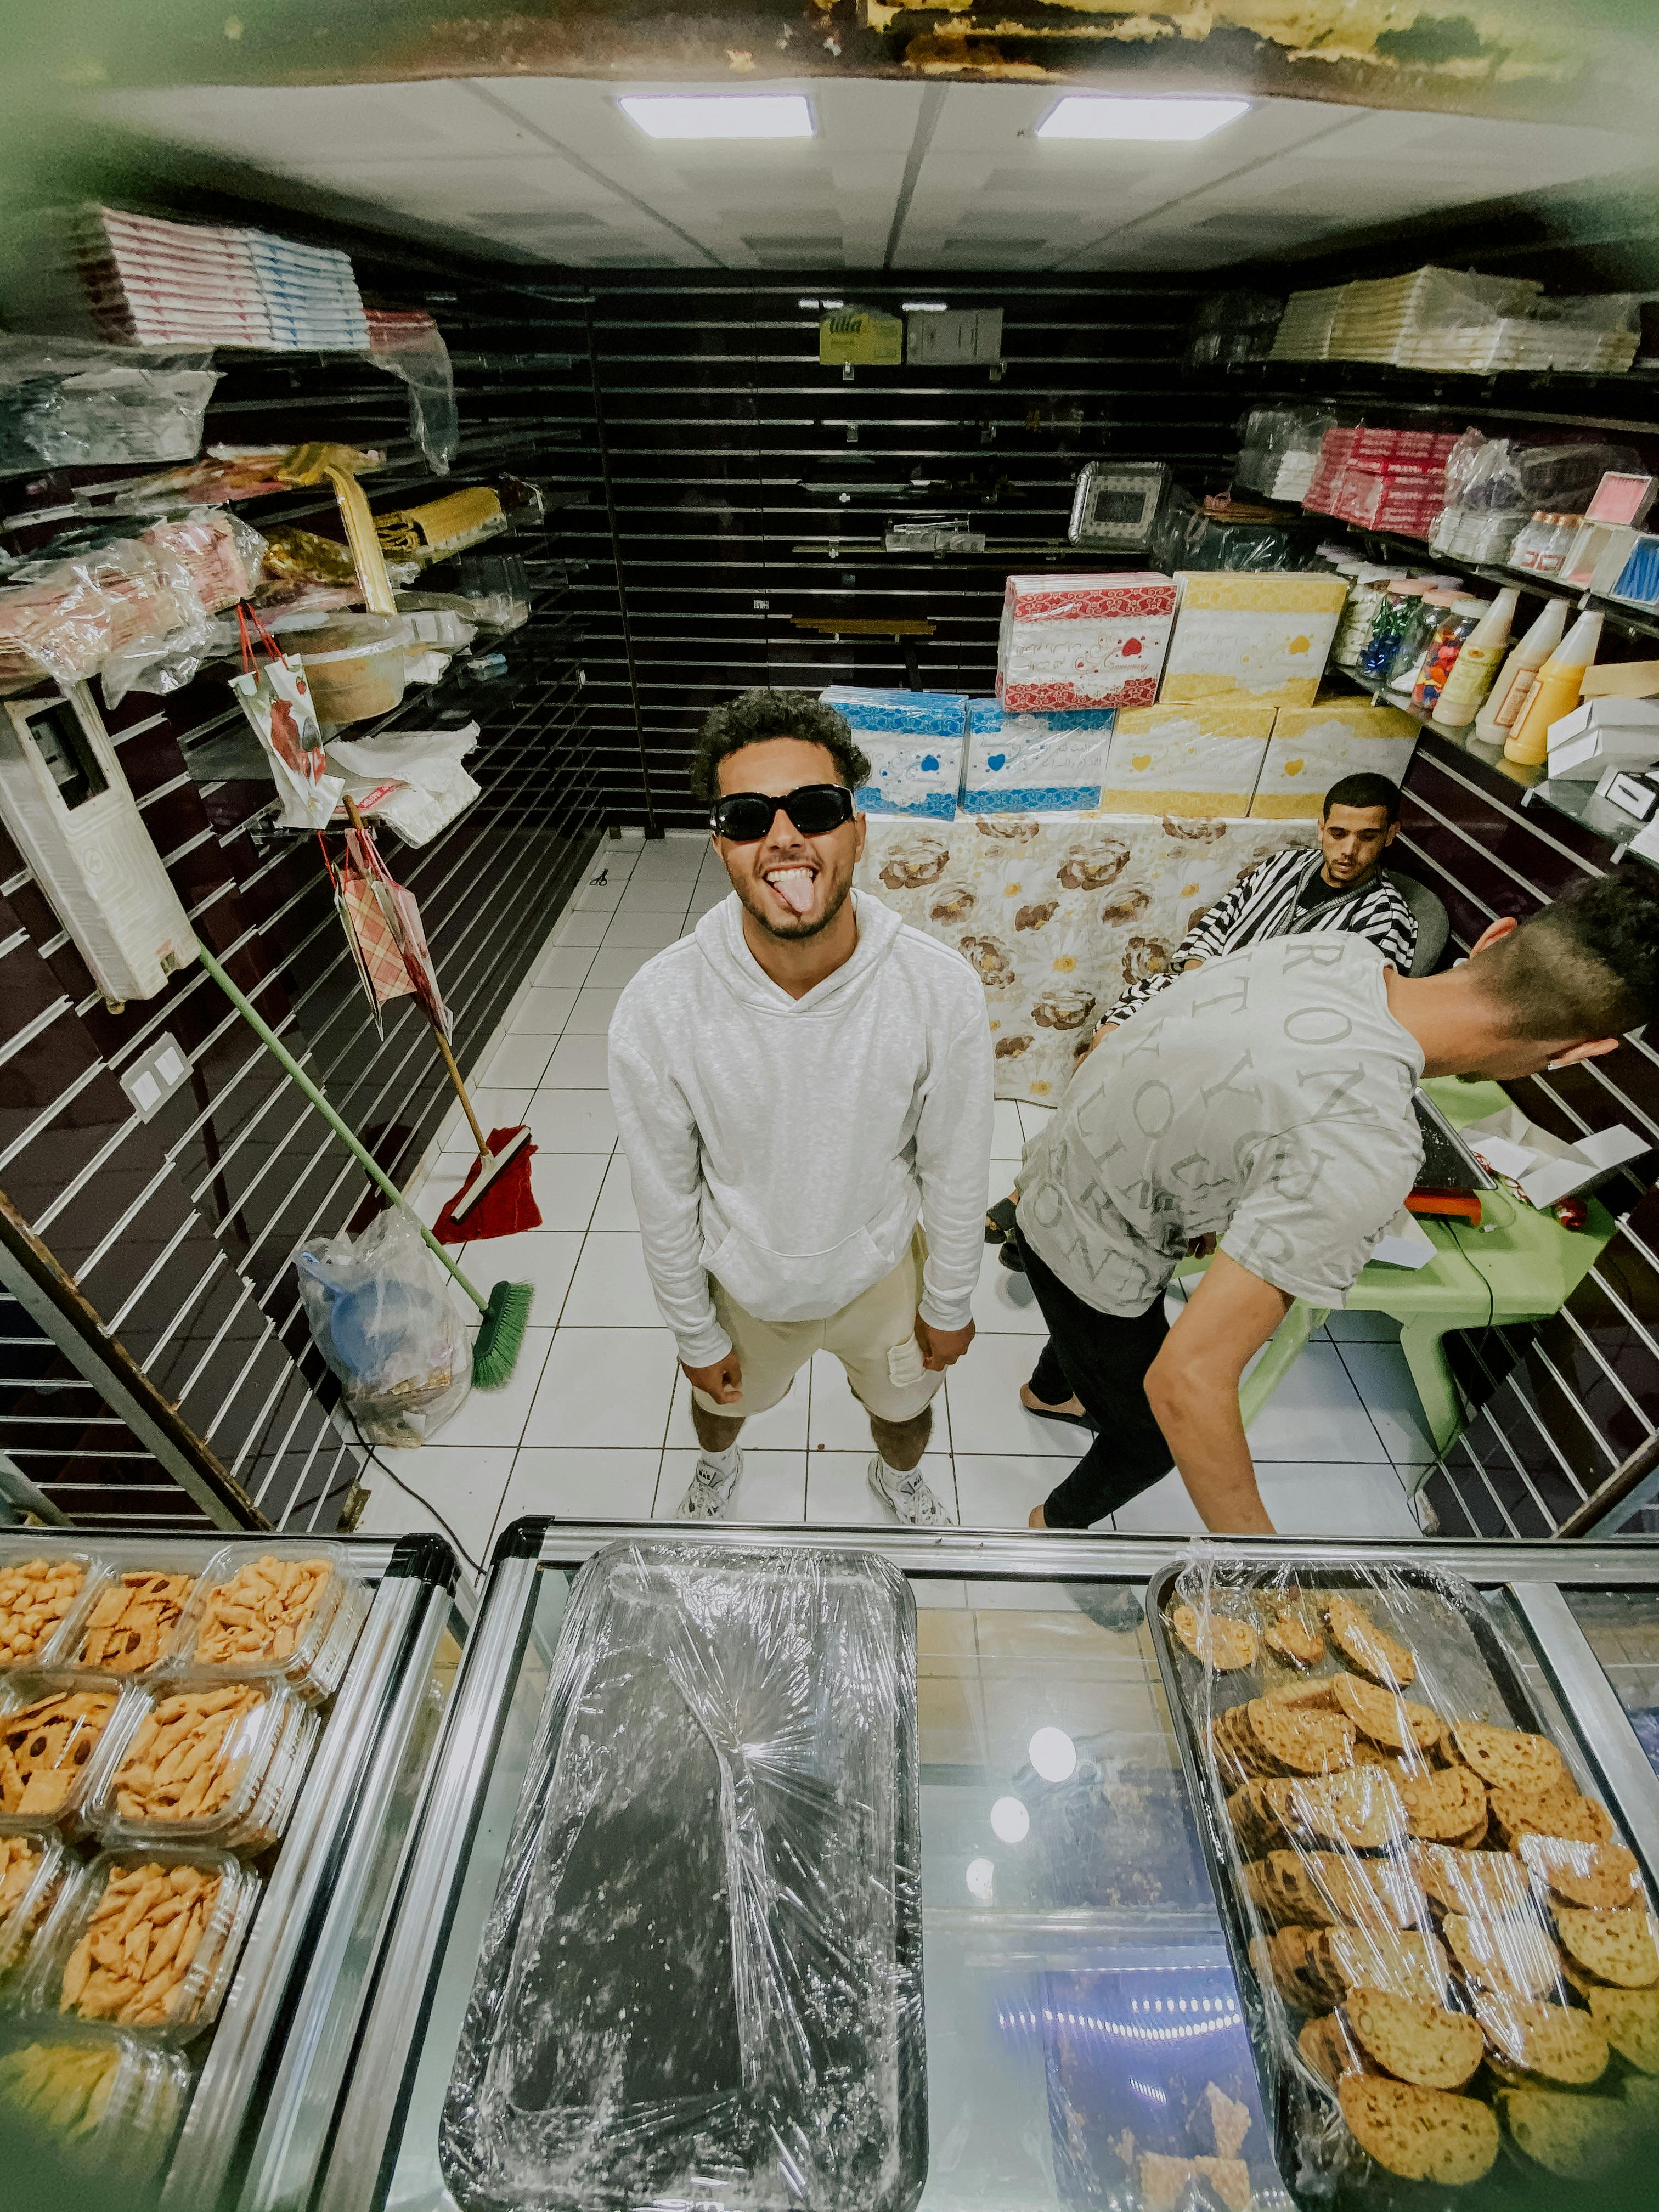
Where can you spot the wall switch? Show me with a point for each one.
(149, 1082)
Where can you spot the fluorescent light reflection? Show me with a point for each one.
(1010, 1822)
(981, 1875)
(1053, 1754)
(719, 114)
(1087, 115)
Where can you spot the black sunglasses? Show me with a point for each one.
(746, 817)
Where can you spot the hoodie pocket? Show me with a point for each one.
(797, 1286)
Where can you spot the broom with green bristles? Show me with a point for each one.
(506, 1311)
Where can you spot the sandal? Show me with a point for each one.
(1054, 1413)
(999, 1221)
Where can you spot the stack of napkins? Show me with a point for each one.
(1547, 1168)
(310, 293)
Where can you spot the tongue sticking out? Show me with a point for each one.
(794, 887)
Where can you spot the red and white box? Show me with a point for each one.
(1069, 642)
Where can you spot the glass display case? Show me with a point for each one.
(1080, 2010)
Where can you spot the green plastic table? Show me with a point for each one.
(1520, 1265)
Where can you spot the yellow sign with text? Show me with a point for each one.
(862, 337)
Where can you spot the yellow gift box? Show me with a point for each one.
(1242, 636)
(1313, 747)
(1183, 761)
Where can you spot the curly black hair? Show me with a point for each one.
(753, 717)
(1587, 966)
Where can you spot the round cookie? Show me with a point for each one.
(1575, 2137)
(1391, 1721)
(1616, 1947)
(1556, 2042)
(1414, 2041)
(1218, 1640)
(1445, 1805)
(1301, 1742)
(1630, 2020)
(1291, 1638)
(1421, 2135)
(1514, 1957)
(1602, 1876)
(1367, 1648)
(1507, 1759)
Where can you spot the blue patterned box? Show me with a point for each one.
(1035, 763)
(915, 743)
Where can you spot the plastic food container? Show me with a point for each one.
(99, 2098)
(355, 665)
(246, 1743)
(237, 1626)
(128, 1618)
(161, 2004)
(51, 1726)
(33, 1635)
(32, 1872)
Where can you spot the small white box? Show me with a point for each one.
(1603, 733)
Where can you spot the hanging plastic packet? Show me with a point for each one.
(277, 700)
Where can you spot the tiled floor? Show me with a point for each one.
(595, 1419)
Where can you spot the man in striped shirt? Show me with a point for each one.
(1341, 886)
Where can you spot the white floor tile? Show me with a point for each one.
(567, 1186)
(1316, 1414)
(782, 1427)
(582, 926)
(582, 1485)
(1008, 1138)
(590, 1015)
(571, 1120)
(1380, 1374)
(604, 1386)
(838, 1486)
(463, 1484)
(772, 1486)
(1165, 1510)
(615, 1209)
(1033, 1118)
(1335, 1501)
(1000, 1183)
(496, 1108)
(611, 1289)
(544, 1258)
(997, 1490)
(1346, 1328)
(490, 1418)
(600, 897)
(518, 1063)
(1004, 1303)
(545, 1011)
(658, 894)
(647, 932)
(578, 1063)
(986, 1414)
(435, 1192)
(562, 967)
(616, 964)
(840, 1423)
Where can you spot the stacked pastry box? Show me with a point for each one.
(1381, 479)
(157, 1716)
(914, 742)
(1447, 1949)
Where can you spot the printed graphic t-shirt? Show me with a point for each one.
(1264, 1099)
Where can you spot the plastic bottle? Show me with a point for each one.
(1445, 649)
(1523, 553)
(1476, 665)
(1508, 697)
(1556, 692)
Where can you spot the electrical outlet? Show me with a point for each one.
(151, 1081)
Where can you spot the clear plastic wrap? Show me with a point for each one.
(408, 344)
(701, 1980)
(33, 1868)
(39, 1594)
(69, 404)
(1433, 1928)
(1280, 449)
(203, 1762)
(381, 1315)
(430, 787)
(63, 619)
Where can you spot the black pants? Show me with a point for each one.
(1104, 1360)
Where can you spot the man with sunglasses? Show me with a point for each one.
(803, 1087)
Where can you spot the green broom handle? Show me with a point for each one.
(371, 1167)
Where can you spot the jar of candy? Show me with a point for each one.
(1365, 589)
(1376, 656)
(1555, 548)
(1447, 642)
(1421, 621)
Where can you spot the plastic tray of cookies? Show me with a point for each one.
(40, 1594)
(1447, 1954)
(287, 1606)
(32, 1870)
(98, 2101)
(144, 1940)
(126, 1623)
(202, 1762)
(51, 1726)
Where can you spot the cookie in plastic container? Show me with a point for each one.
(51, 1726)
(288, 1606)
(194, 1762)
(98, 2100)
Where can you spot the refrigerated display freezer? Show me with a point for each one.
(1080, 2009)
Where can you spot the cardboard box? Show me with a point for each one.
(1603, 733)
(1312, 747)
(1621, 679)
(1198, 760)
(915, 742)
(1246, 636)
(1034, 764)
(1068, 643)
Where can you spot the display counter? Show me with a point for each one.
(1078, 1989)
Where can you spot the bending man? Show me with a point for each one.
(1264, 1104)
(804, 1092)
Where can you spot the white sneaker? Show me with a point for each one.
(710, 1492)
(908, 1498)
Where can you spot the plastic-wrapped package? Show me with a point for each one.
(64, 404)
(1034, 764)
(431, 787)
(701, 1980)
(1433, 1926)
(1232, 327)
(1068, 643)
(1280, 449)
(914, 741)
(63, 619)
(1222, 533)
(380, 1315)
(408, 344)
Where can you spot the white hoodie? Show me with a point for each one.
(787, 1146)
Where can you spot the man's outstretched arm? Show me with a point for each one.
(1193, 1390)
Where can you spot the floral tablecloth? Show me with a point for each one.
(1058, 913)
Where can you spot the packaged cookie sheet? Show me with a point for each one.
(1448, 1952)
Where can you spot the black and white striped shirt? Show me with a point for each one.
(1267, 903)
